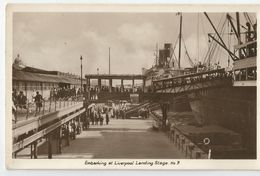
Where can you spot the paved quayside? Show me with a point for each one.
(129, 138)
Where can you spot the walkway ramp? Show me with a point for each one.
(147, 105)
(135, 109)
(193, 82)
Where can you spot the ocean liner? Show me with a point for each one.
(168, 65)
(231, 109)
(234, 107)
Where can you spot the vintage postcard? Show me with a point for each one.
(131, 86)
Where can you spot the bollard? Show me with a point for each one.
(186, 150)
(173, 134)
(49, 147)
(68, 134)
(35, 150)
(182, 143)
(179, 142)
(31, 153)
(176, 139)
(59, 142)
(209, 154)
(191, 148)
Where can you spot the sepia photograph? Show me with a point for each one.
(132, 88)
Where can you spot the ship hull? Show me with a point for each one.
(233, 108)
(180, 104)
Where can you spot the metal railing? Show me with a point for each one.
(28, 110)
(190, 79)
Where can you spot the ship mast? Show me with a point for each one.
(179, 59)
(156, 55)
(238, 32)
(221, 42)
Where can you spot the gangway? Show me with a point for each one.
(135, 109)
(193, 82)
(47, 126)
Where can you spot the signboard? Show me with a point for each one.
(134, 98)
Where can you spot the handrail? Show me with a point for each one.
(222, 70)
(28, 110)
(25, 142)
(187, 80)
(111, 75)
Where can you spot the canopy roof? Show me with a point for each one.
(38, 77)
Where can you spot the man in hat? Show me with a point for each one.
(21, 100)
(38, 101)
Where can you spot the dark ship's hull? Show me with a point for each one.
(233, 108)
(179, 104)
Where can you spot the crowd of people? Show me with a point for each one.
(64, 93)
(20, 101)
(71, 129)
(98, 113)
(95, 90)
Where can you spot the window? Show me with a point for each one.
(251, 73)
(243, 74)
(237, 73)
(15, 85)
(22, 86)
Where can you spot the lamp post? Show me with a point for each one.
(81, 73)
(109, 60)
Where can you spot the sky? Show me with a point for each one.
(55, 41)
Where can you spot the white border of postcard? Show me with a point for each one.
(110, 163)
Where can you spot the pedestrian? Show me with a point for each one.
(55, 94)
(96, 118)
(63, 133)
(38, 101)
(121, 113)
(51, 95)
(33, 95)
(21, 100)
(73, 129)
(112, 110)
(107, 118)
(87, 123)
(14, 98)
(70, 130)
(77, 127)
(117, 111)
(101, 118)
(13, 112)
(92, 116)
